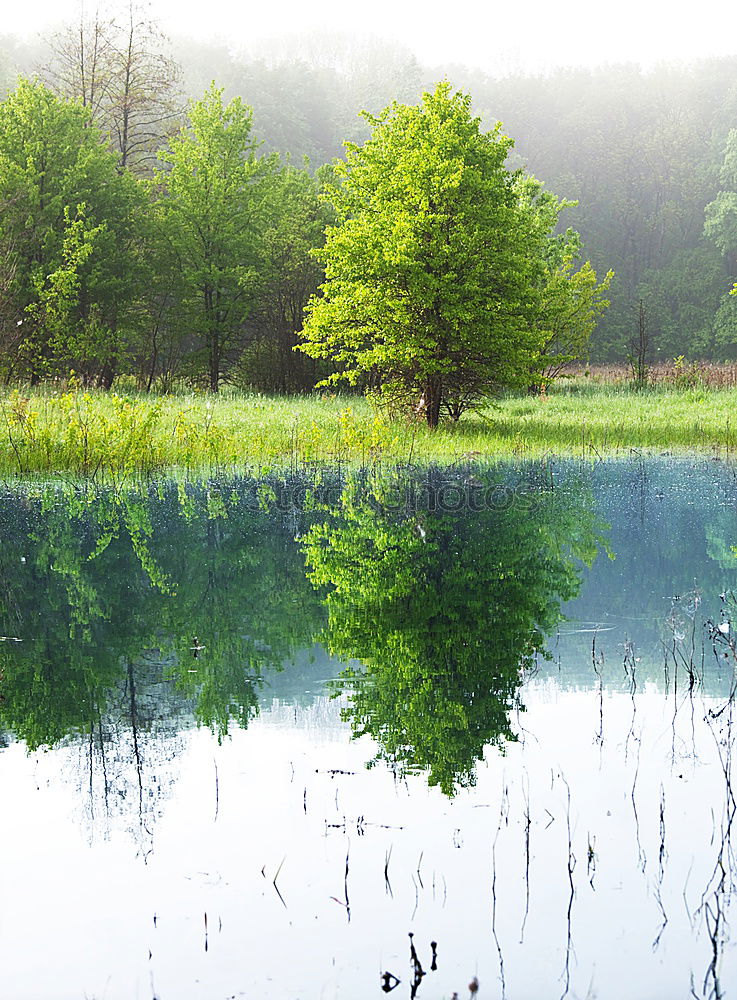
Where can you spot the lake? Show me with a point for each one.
(349, 734)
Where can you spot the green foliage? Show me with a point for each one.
(720, 221)
(213, 210)
(204, 593)
(444, 589)
(443, 281)
(70, 433)
(569, 300)
(643, 152)
(288, 275)
(66, 236)
(725, 326)
(430, 267)
(676, 301)
(640, 151)
(572, 302)
(55, 310)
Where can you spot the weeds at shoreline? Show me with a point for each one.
(111, 436)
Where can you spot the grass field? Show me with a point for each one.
(111, 435)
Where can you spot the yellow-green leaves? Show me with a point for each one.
(431, 265)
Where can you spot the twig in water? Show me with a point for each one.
(591, 860)
(276, 887)
(217, 791)
(419, 876)
(629, 658)
(417, 897)
(528, 824)
(417, 969)
(571, 865)
(596, 664)
(387, 883)
(345, 883)
(661, 871)
(641, 857)
(493, 893)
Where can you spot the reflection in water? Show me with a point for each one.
(138, 611)
(594, 858)
(444, 588)
(184, 599)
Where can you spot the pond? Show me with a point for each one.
(417, 732)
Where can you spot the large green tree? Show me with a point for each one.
(213, 209)
(435, 263)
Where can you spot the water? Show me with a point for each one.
(256, 734)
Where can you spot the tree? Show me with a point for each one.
(56, 306)
(117, 68)
(289, 274)
(572, 301)
(160, 339)
(640, 350)
(568, 301)
(61, 190)
(445, 599)
(720, 223)
(432, 264)
(683, 298)
(213, 207)
(144, 98)
(725, 325)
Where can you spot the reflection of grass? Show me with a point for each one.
(99, 434)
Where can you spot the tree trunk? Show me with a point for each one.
(106, 376)
(212, 338)
(433, 398)
(214, 364)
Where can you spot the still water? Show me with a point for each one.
(256, 733)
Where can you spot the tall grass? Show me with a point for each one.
(115, 436)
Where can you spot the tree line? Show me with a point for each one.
(644, 153)
(641, 151)
(199, 269)
(139, 239)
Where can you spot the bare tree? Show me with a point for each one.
(145, 102)
(81, 61)
(640, 350)
(117, 66)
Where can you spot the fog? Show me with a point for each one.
(496, 37)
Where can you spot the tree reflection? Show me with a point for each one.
(141, 612)
(443, 587)
(130, 615)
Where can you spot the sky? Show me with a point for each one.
(528, 36)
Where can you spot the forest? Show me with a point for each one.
(124, 261)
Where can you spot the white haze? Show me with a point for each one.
(498, 37)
